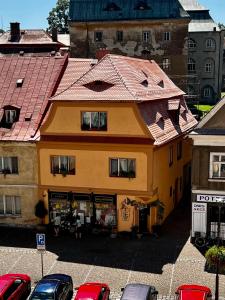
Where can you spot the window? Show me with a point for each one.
(122, 167)
(217, 165)
(191, 65)
(8, 165)
(142, 5)
(98, 36)
(179, 150)
(166, 63)
(208, 67)
(146, 36)
(94, 121)
(10, 116)
(210, 44)
(167, 36)
(62, 164)
(10, 205)
(191, 44)
(207, 91)
(119, 36)
(112, 7)
(170, 155)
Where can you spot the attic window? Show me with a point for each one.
(10, 116)
(112, 7)
(142, 5)
(98, 85)
(161, 84)
(19, 82)
(145, 83)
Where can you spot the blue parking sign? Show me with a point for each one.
(40, 239)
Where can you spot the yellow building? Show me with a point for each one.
(112, 148)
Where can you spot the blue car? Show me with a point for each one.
(53, 287)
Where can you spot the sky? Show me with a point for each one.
(32, 14)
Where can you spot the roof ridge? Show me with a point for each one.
(121, 78)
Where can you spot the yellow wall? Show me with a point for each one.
(122, 120)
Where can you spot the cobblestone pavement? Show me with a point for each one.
(165, 262)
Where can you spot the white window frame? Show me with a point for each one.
(210, 43)
(89, 113)
(60, 159)
(118, 167)
(10, 116)
(146, 36)
(4, 164)
(167, 36)
(3, 200)
(208, 67)
(212, 154)
(191, 65)
(166, 64)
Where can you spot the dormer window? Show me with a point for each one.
(112, 7)
(98, 85)
(161, 84)
(142, 5)
(10, 116)
(145, 83)
(19, 82)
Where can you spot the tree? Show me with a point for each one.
(221, 26)
(1, 31)
(58, 17)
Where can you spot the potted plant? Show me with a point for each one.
(215, 257)
(41, 212)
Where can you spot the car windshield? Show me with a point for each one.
(42, 296)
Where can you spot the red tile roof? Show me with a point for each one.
(40, 76)
(119, 79)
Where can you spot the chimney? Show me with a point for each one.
(54, 34)
(15, 31)
(100, 53)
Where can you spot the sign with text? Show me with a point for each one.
(199, 207)
(211, 198)
(40, 239)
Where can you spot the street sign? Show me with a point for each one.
(40, 239)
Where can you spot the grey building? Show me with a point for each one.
(205, 54)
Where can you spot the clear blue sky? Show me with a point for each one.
(33, 13)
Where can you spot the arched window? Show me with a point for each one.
(191, 44)
(210, 44)
(209, 66)
(191, 65)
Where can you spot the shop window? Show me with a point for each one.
(167, 36)
(166, 63)
(10, 205)
(94, 121)
(62, 165)
(105, 211)
(122, 167)
(8, 165)
(119, 36)
(179, 150)
(170, 155)
(217, 165)
(98, 36)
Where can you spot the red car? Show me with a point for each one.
(14, 286)
(193, 292)
(93, 291)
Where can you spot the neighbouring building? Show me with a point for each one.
(113, 147)
(32, 41)
(208, 176)
(138, 28)
(26, 83)
(205, 54)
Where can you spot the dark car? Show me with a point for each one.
(93, 291)
(193, 292)
(134, 291)
(14, 286)
(53, 287)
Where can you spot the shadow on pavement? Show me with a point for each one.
(148, 254)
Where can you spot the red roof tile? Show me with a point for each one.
(40, 76)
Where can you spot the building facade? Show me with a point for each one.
(208, 178)
(25, 85)
(205, 55)
(112, 148)
(143, 29)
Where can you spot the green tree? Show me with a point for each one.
(1, 31)
(58, 17)
(221, 26)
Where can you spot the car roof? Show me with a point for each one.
(90, 290)
(193, 292)
(46, 284)
(4, 284)
(7, 279)
(58, 276)
(135, 291)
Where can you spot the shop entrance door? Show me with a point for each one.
(143, 219)
(216, 216)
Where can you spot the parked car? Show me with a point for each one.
(53, 287)
(134, 291)
(193, 292)
(93, 291)
(14, 286)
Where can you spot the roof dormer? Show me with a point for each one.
(10, 115)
